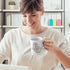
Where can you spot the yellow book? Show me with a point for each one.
(54, 22)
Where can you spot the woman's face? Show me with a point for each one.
(33, 20)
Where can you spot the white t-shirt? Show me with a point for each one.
(15, 46)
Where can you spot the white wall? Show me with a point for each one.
(47, 5)
(67, 16)
(0, 20)
(67, 12)
(0, 13)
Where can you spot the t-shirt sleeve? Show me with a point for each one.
(67, 68)
(5, 47)
(63, 44)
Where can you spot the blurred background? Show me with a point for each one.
(57, 15)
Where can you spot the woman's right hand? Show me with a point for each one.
(50, 46)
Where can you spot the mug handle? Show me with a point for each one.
(43, 41)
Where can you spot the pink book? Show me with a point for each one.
(58, 22)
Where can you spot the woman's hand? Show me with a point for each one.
(50, 45)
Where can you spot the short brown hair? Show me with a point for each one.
(28, 6)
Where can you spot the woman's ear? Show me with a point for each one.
(42, 11)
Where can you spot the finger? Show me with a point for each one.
(46, 47)
(47, 38)
(49, 41)
(45, 43)
(48, 44)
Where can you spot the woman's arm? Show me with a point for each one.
(5, 47)
(62, 57)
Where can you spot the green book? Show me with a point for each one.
(54, 22)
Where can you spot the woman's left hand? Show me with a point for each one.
(50, 45)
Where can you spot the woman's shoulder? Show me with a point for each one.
(12, 32)
(53, 31)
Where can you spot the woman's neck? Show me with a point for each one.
(36, 31)
(33, 31)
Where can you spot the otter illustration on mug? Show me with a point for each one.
(37, 45)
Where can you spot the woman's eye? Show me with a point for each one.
(33, 15)
(24, 15)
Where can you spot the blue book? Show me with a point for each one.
(50, 22)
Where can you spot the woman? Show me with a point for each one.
(16, 42)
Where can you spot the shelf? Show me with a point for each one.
(18, 11)
(58, 27)
(3, 10)
(12, 11)
(54, 11)
(10, 26)
(0, 26)
(0, 10)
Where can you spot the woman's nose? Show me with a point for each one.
(29, 20)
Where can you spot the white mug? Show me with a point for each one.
(37, 45)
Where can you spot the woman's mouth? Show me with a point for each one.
(29, 24)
